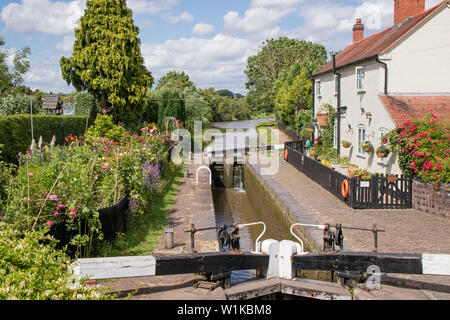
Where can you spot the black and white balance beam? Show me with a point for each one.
(426, 264)
(219, 262)
(143, 266)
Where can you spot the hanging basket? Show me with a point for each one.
(368, 149)
(346, 144)
(382, 152)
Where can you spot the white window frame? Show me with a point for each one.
(361, 128)
(319, 88)
(361, 88)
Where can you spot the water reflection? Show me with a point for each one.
(230, 206)
(233, 205)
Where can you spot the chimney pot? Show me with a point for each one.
(358, 31)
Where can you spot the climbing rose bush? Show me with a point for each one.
(423, 147)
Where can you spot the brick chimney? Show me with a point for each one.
(407, 8)
(358, 31)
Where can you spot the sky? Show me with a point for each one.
(210, 40)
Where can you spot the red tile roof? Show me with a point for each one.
(404, 108)
(378, 43)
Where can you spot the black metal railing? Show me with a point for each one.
(379, 192)
(113, 220)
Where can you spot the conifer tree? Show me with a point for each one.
(106, 58)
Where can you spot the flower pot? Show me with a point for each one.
(382, 154)
(346, 145)
(368, 150)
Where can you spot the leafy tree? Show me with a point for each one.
(173, 79)
(21, 63)
(225, 93)
(20, 104)
(106, 58)
(172, 104)
(293, 91)
(197, 109)
(263, 69)
(224, 108)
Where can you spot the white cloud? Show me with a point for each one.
(66, 44)
(275, 3)
(45, 75)
(255, 19)
(203, 29)
(151, 7)
(43, 16)
(182, 17)
(218, 62)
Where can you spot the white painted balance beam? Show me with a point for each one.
(116, 267)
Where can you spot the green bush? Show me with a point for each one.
(32, 270)
(19, 104)
(15, 131)
(104, 127)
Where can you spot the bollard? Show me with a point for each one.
(168, 237)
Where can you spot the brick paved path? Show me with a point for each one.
(407, 231)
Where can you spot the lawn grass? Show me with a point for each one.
(145, 230)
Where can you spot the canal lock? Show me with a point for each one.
(239, 197)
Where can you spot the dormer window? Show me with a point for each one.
(360, 79)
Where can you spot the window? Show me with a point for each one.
(361, 138)
(360, 79)
(318, 88)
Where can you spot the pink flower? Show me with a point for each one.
(55, 214)
(49, 223)
(53, 198)
(73, 212)
(30, 174)
(28, 199)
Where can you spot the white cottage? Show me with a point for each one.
(380, 81)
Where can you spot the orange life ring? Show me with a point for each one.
(285, 155)
(345, 189)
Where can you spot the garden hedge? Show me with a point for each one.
(15, 131)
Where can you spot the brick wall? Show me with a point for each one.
(425, 198)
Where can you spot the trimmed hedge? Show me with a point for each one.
(15, 131)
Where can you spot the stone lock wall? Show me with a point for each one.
(425, 198)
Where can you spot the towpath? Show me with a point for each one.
(407, 231)
(193, 204)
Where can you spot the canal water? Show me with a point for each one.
(232, 205)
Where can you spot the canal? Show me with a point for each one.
(243, 200)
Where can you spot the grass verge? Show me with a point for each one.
(145, 230)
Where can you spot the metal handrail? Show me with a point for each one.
(259, 237)
(198, 170)
(320, 226)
